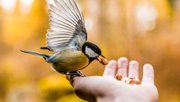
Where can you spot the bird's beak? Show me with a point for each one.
(102, 60)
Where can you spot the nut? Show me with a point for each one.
(118, 76)
(104, 61)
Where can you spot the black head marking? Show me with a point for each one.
(93, 52)
(92, 46)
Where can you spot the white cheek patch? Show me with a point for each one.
(90, 52)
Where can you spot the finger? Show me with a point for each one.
(122, 66)
(133, 70)
(110, 69)
(148, 74)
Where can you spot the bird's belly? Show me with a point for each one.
(71, 62)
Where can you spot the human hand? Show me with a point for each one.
(107, 88)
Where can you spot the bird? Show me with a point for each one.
(67, 38)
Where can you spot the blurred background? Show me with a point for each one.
(145, 30)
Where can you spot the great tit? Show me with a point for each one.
(67, 38)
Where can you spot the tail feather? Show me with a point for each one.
(46, 57)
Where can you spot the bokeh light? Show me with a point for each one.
(25, 5)
(8, 5)
(146, 15)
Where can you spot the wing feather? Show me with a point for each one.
(65, 9)
(66, 26)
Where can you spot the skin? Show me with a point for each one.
(108, 89)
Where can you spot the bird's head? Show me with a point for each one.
(93, 52)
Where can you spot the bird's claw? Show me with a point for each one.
(71, 75)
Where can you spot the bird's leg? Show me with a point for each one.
(75, 74)
(71, 75)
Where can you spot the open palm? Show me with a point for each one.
(107, 88)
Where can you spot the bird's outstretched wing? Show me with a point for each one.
(67, 27)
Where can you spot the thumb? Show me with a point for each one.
(87, 88)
